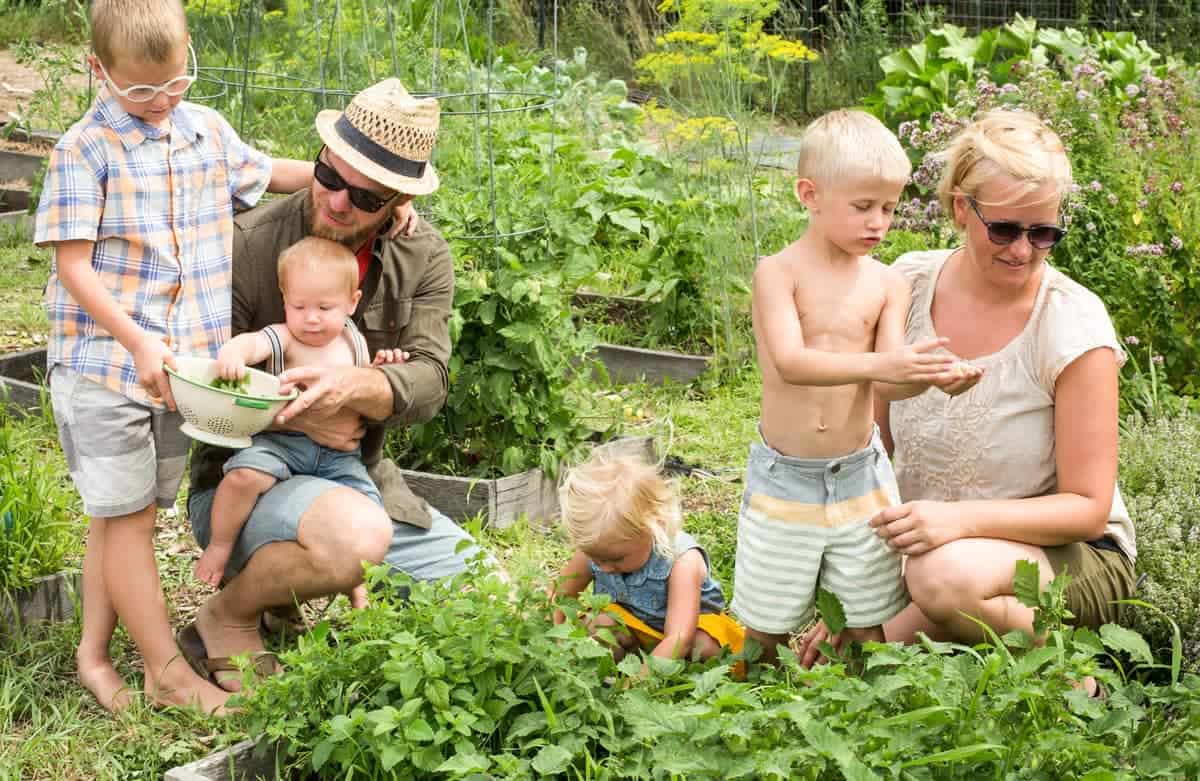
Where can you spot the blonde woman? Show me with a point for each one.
(624, 520)
(1024, 466)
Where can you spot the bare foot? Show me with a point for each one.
(102, 680)
(358, 597)
(178, 685)
(223, 638)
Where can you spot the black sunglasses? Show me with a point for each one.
(1004, 233)
(332, 180)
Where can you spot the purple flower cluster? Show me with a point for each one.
(1145, 250)
(917, 215)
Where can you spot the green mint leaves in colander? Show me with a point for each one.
(241, 385)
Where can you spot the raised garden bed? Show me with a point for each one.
(22, 154)
(501, 501)
(239, 762)
(637, 364)
(14, 203)
(48, 598)
(21, 376)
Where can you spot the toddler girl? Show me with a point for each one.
(624, 520)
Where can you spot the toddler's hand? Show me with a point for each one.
(148, 358)
(404, 221)
(389, 356)
(914, 363)
(230, 365)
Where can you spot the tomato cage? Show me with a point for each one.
(271, 65)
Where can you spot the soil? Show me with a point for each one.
(19, 82)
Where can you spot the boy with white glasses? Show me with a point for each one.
(138, 204)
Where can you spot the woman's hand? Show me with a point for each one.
(918, 527)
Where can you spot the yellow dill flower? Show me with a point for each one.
(691, 37)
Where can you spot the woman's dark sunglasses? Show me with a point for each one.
(332, 180)
(1005, 233)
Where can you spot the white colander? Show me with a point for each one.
(223, 417)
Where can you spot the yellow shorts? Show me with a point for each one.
(720, 626)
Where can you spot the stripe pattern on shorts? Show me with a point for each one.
(804, 523)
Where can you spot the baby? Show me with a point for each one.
(319, 282)
(624, 519)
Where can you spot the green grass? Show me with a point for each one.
(45, 22)
(24, 269)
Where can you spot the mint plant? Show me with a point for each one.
(471, 679)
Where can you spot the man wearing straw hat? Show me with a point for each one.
(307, 537)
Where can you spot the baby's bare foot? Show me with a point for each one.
(105, 684)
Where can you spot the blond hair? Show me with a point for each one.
(316, 254)
(618, 499)
(138, 30)
(1016, 144)
(845, 145)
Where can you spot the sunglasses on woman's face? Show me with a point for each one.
(362, 199)
(1004, 233)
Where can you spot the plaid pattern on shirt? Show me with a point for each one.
(158, 203)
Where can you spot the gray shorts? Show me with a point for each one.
(123, 456)
(285, 454)
(423, 554)
(805, 523)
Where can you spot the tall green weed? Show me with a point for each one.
(38, 506)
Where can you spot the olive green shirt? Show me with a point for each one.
(406, 299)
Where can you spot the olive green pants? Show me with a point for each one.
(1098, 577)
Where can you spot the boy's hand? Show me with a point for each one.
(960, 379)
(230, 365)
(404, 220)
(389, 356)
(913, 363)
(148, 359)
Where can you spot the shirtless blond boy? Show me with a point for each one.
(829, 330)
(319, 282)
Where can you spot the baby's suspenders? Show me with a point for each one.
(362, 353)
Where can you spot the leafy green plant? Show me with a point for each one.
(1160, 479)
(924, 78)
(507, 411)
(471, 678)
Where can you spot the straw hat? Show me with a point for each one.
(387, 135)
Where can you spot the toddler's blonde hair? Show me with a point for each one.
(846, 145)
(316, 254)
(1016, 144)
(137, 30)
(618, 499)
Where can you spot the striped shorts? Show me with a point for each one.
(804, 522)
(123, 456)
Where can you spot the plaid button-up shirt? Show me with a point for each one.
(158, 203)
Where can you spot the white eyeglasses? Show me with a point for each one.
(144, 93)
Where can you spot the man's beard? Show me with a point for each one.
(349, 238)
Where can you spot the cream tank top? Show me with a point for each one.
(996, 441)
